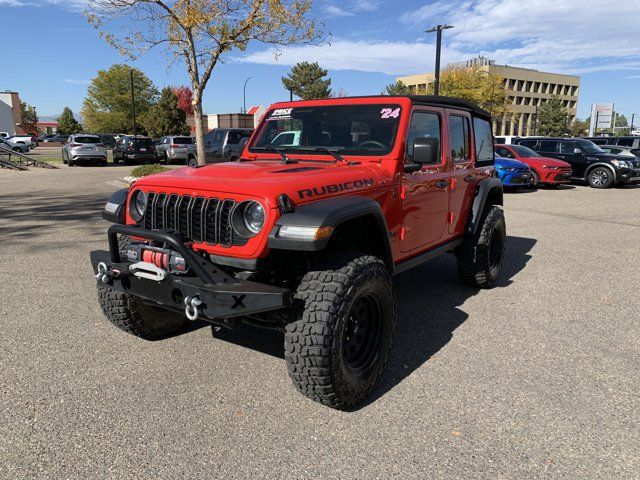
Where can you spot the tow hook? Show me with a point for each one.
(191, 308)
(103, 274)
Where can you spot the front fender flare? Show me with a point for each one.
(489, 189)
(116, 207)
(330, 212)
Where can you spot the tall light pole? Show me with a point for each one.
(244, 95)
(438, 29)
(133, 103)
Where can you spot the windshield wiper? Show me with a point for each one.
(330, 151)
(285, 159)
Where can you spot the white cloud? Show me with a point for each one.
(77, 81)
(393, 58)
(68, 4)
(334, 11)
(570, 36)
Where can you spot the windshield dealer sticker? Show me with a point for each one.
(390, 113)
(281, 113)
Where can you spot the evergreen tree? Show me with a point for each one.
(553, 119)
(306, 80)
(67, 124)
(165, 117)
(397, 88)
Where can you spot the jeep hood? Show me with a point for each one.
(267, 179)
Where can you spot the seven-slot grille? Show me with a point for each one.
(198, 219)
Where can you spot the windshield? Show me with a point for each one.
(349, 129)
(524, 151)
(590, 147)
(87, 140)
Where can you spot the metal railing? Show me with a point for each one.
(20, 161)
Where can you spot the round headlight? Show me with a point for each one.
(253, 216)
(139, 204)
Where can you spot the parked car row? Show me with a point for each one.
(553, 161)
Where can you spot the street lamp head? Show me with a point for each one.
(438, 28)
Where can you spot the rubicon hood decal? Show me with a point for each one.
(335, 188)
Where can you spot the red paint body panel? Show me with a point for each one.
(417, 212)
(540, 166)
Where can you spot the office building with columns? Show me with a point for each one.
(526, 90)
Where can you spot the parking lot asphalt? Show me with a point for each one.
(536, 378)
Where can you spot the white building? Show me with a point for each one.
(10, 117)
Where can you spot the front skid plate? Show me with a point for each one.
(219, 301)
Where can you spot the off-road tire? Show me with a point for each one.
(479, 264)
(131, 315)
(600, 177)
(319, 345)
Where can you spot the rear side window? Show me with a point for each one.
(548, 146)
(625, 142)
(567, 147)
(459, 135)
(423, 125)
(532, 144)
(484, 141)
(87, 140)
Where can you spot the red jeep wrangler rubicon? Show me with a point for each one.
(303, 234)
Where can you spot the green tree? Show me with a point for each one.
(622, 125)
(107, 106)
(580, 128)
(475, 85)
(67, 124)
(165, 118)
(29, 119)
(306, 80)
(200, 33)
(553, 118)
(397, 88)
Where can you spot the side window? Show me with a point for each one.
(548, 146)
(504, 152)
(567, 147)
(483, 139)
(459, 138)
(423, 125)
(529, 143)
(218, 137)
(625, 142)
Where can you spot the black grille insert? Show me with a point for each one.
(198, 219)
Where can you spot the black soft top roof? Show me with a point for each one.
(441, 101)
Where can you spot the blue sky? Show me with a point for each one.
(56, 52)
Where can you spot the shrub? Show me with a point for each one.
(144, 170)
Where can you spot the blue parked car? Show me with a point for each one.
(513, 173)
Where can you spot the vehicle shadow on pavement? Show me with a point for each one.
(429, 301)
(36, 214)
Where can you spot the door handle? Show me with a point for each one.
(442, 184)
(469, 178)
(561, 156)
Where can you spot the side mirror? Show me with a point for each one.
(577, 151)
(425, 151)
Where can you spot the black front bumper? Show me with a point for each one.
(222, 295)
